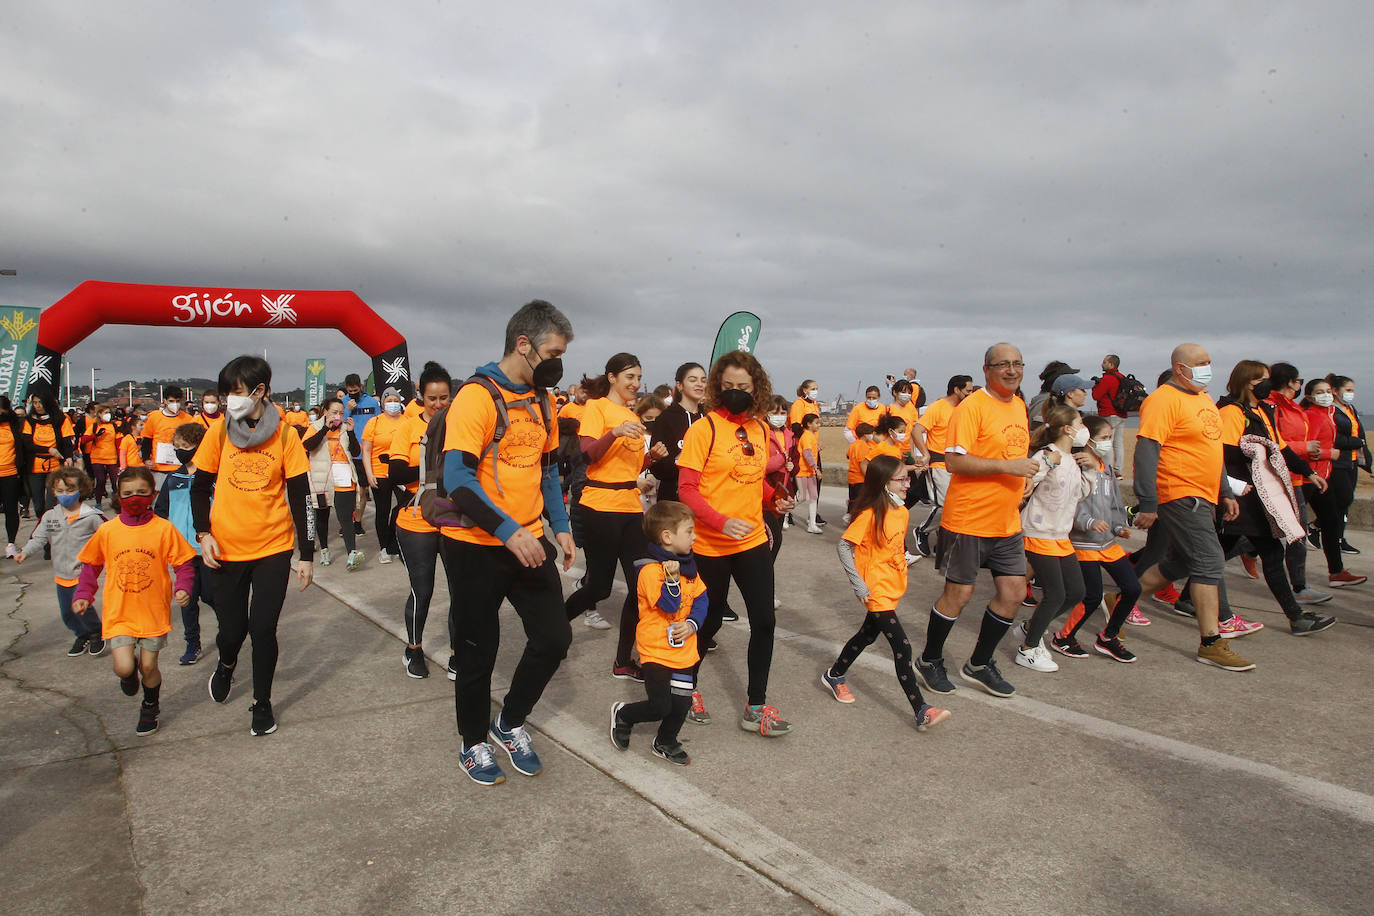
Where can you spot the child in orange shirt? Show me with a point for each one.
(858, 454)
(138, 546)
(872, 554)
(672, 607)
(809, 459)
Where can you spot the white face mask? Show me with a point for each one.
(239, 406)
(1202, 375)
(776, 420)
(1080, 437)
(1348, 397)
(1324, 399)
(813, 393)
(900, 437)
(1103, 447)
(210, 406)
(394, 407)
(903, 398)
(105, 418)
(872, 403)
(896, 498)
(172, 408)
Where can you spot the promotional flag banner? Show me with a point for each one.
(740, 331)
(18, 340)
(314, 383)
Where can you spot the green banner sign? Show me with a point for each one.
(738, 332)
(315, 394)
(18, 340)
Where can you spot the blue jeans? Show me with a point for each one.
(201, 590)
(87, 624)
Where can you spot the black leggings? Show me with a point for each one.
(42, 497)
(1123, 574)
(248, 598)
(663, 706)
(774, 523)
(752, 571)
(1061, 584)
(105, 474)
(1331, 523)
(418, 553)
(345, 501)
(385, 522)
(1271, 554)
(884, 622)
(606, 538)
(9, 502)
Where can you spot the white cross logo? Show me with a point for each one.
(395, 369)
(40, 371)
(280, 309)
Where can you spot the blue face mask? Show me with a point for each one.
(68, 500)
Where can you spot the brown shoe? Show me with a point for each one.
(1345, 577)
(1219, 654)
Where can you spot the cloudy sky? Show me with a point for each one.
(886, 184)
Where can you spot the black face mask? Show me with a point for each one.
(547, 373)
(185, 454)
(1263, 389)
(736, 400)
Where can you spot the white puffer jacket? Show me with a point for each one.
(1057, 489)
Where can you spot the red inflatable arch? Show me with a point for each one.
(94, 304)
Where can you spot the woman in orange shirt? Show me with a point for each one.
(101, 442)
(723, 467)
(612, 439)
(49, 439)
(11, 483)
(376, 440)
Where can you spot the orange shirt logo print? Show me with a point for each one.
(133, 571)
(744, 468)
(251, 471)
(523, 444)
(1211, 422)
(1017, 441)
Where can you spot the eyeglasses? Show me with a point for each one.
(745, 445)
(1006, 364)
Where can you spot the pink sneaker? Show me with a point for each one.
(1137, 619)
(1238, 626)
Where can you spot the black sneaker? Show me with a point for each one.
(710, 644)
(820, 521)
(673, 753)
(358, 528)
(729, 614)
(416, 666)
(1184, 608)
(220, 682)
(620, 732)
(988, 678)
(96, 645)
(263, 723)
(1347, 547)
(1314, 539)
(452, 668)
(129, 684)
(1112, 648)
(1309, 623)
(923, 544)
(1068, 646)
(78, 647)
(934, 676)
(147, 719)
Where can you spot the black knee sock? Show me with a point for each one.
(937, 631)
(151, 694)
(989, 635)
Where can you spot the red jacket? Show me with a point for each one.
(1321, 428)
(1291, 421)
(1103, 392)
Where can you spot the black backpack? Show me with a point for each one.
(1130, 394)
(436, 507)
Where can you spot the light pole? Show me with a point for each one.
(94, 370)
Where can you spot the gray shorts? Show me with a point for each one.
(1193, 549)
(962, 555)
(146, 643)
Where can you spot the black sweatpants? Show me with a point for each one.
(385, 521)
(606, 538)
(662, 706)
(419, 553)
(202, 590)
(248, 599)
(105, 474)
(1123, 574)
(1271, 554)
(752, 571)
(346, 502)
(479, 579)
(10, 488)
(1331, 523)
(1061, 587)
(886, 623)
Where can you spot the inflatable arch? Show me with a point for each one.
(94, 304)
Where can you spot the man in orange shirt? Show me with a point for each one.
(870, 411)
(986, 450)
(929, 436)
(156, 441)
(504, 488)
(1180, 483)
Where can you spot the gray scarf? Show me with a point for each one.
(245, 436)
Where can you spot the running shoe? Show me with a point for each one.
(1238, 626)
(1167, 595)
(1137, 619)
(1310, 595)
(191, 655)
(787, 521)
(355, 559)
(325, 558)
(1219, 655)
(814, 529)
(96, 645)
(765, 720)
(628, 672)
(516, 743)
(357, 529)
(147, 719)
(1309, 623)
(934, 676)
(415, 663)
(10, 550)
(673, 753)
(1347, 547)
(1112, 648)
(1029, 600)
(820, 521)
(383, 558)
(78, 647)
(263, 721)
(729, 615)
(846, 518)
(1018, 632)
(221, 679)
(1346, 578)
(929, 717)
(1036, 658)
(594, 621)
(620, 732)
(1251, 564)
(129, 685)
(913, 558)
(1314, 538)
(480, 766)
(836, 686)
(1068, 646)
(923, 543)
(1183, 607)
(698, 713)
(988, 678)
(452, 667)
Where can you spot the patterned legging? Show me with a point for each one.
(886, 623)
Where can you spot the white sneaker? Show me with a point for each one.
(9, 550)
(786, 522)
(846, 518)
(1036, 658)
(777, 603)
(912, 559)
(814, 529)
(325, 558)
(383, 557)
(596, 621)
(355, 559)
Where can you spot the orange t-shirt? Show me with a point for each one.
(1233, 425)
(249, 516)
(799, 409)
(138, 586)
(1049, 547)
(406, 444)
(808, 440)
(520, 456)
(731, 481)
(413, 409)
(862, 413)
(935, 421)
(1188, 428)
(572, 411)
(622, 462)
(129, 453)
(104, 448)
(9, 454)
(1109, 554)
(885, 447)
(380, 430)
(860, 450)
(43, 439)
(339, 455)
(983, 426)
(880, 557)
(298, 418)
(160, 428)
(908, 412)
(651, 634)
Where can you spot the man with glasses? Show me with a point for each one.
(986, 451)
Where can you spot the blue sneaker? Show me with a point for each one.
(516, 741)
(480, 766)
(933, 675)
(987, 677)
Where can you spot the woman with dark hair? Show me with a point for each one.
(1290, 420)
(1351, 447)
(1244, 414)
(724, 462)
(11, 482)
(256, 469)
(1320, 406)
(48, 437)
(612, 439)
(689, 387)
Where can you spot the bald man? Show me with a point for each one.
(1180, 483)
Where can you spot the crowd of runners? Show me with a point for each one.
(504, 480)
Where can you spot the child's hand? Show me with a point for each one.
(80, 605)
(19, 558)
(680, 630)
(1101, 526)
(182, 597)
(1123, 532)
(670, 569)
